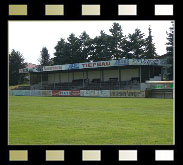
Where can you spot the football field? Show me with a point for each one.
(89, 121)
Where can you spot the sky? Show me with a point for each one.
(29, 37)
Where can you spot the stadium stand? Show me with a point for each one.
(122, 74)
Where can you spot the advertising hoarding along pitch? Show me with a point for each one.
(127, 93)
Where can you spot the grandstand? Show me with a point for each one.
(101, 75)
(122, 74)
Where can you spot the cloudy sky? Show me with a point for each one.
(28, 37)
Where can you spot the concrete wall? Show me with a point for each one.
(59, 77)
(93, 75)
(79, 75)
(163, 95)
(110, 74)
(69, 77)
(57, 80)
(143, 86)
(50, 78)
(64, 77)
(127, 74)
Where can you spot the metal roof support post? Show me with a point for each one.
(87, 78)
(59, 77)
(100, 77)
(72, 75)
(119, 79)
(73, 79)
(54, 80)
(41, 81)
(68, 79)
(161, 73)
(83, 80)
(140, 72)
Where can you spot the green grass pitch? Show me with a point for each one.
(89, 121)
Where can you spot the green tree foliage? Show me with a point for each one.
(127, 48)
(170, 48)
(86, 47)
(101, 49)
(150, 50)
(104, 47)
(68, 52)
(73, 49)
(16, 62)
(45, 57)
(116, 41)
(136, 44)
(60, 56)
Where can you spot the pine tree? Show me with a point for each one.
(101, 50)
(136, 44)
(45, 57)
(73, 49)
(16, 62)
(127, 48)
(116, 41)
(60, 55)
(86, 43)
(170, 48)
(150, 50)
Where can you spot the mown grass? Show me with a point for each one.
(16, 86)
(100, 121)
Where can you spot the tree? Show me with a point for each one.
(101, 50)
(127, 48)
(150, 50)
(16, 62)
(136, 44)
(169, 49)
(51, 61)
(116, 41)
(45, 57)
(60, 56)
(86, 47)
(73, 49)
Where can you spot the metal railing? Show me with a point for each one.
(91, 86)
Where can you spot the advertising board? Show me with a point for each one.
(75, 93)
(46, 92)
(104, 93)
(35, 93)
(127, 93)
(20, 92)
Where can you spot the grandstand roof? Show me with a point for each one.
(99, 64)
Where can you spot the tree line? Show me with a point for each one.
(104, 47)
